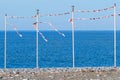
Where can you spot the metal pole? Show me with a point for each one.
(37, 17)
(73, 60)
(5, 41)
(114, 35)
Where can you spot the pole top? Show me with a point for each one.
(5, 14)
(72, 5)
(114, 4)
(37, 11)
(73, 8)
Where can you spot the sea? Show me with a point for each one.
(92, 49)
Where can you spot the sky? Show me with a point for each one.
(29, 7)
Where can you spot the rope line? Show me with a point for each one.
(55, 29)
(97, 18)
(40, 33)
(15, 28)
(62, 14)
(43, 36)
(99, 10)
(59, 14)
(20, 17)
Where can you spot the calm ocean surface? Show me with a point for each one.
(92, 48)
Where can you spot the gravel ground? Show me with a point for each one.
(101, 73)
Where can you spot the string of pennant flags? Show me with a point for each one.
(51, 25)
(40, 33)
(61, 14)
(66, 13)
(99, 10)
(96, 18)
(15, 28)
(22, 17)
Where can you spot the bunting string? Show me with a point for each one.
(43, 36)
(98, 18)
(15, 28)
(40, 33)
(53, 28)
(99, 10)
(20, 17)
(60, 14)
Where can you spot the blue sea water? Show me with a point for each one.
(92, 49)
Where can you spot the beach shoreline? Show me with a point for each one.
(87, 73)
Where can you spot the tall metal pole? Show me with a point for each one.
(114, 35)
(73, 56)
(37, 18)
(5, 41)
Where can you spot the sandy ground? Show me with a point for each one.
(61, 74)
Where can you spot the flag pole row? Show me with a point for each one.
(37, 16)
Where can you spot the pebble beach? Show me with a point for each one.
(98, 73)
